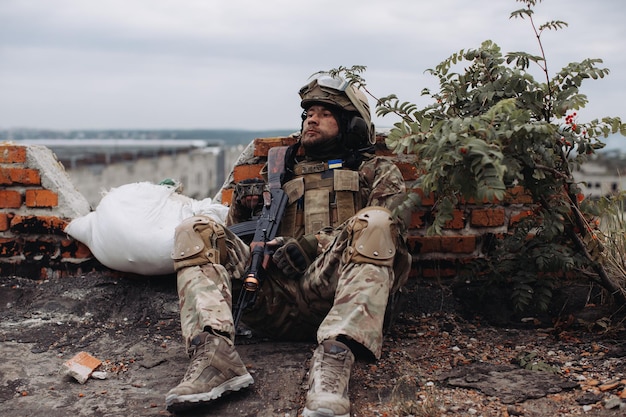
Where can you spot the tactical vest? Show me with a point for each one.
(321, 194)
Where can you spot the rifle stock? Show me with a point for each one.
(266, 228)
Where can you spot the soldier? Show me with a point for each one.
(340, 257)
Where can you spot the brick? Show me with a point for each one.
(418, 219)
(519, 216)
(518, 195)
(425, 244)
(427, 200)
(492, 217)
(4, 222)
(23, 176)
(81, 366)
(37, 248)
(244, 172)
(74, 249)
(408, 170)
(458, 220)
(38, 225)
(41, 198)
(83, 251)
(10, 247)
(458, 244)
(5, 176)
(11, 154)
(262, 146)
(10, 199)
(227, 196)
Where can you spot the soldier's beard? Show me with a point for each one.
(325, 150)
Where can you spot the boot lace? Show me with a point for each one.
(331, 373)
(197, 359)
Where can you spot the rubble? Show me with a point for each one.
(132, 326)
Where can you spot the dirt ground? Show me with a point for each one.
(440, 358)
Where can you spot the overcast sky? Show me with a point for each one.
(150, 64)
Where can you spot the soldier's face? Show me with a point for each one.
(319, 126)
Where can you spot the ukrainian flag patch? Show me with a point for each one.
(335, 164)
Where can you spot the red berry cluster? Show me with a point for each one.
(571, 119)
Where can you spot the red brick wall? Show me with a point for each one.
(34, 244)
(32, 241)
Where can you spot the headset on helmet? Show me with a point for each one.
(335, 91)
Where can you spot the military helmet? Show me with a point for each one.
(333, 90)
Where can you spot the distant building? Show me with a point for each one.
(602, 176)
(97, 165)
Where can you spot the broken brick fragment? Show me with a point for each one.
(81, 366)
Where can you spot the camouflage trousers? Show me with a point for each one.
(334, 297)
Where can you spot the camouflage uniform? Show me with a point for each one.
(335, 296)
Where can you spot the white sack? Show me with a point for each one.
(132, 229)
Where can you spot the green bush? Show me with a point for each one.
(493, 125)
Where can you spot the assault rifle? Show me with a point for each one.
(274, 203)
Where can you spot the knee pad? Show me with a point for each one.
(198, 240)
(372, 237)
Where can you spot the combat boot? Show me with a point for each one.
(328, 381)
(215, 369)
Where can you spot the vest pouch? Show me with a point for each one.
(346, 180)
(316, 210)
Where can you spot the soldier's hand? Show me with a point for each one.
(290, 256)
(248, 193)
